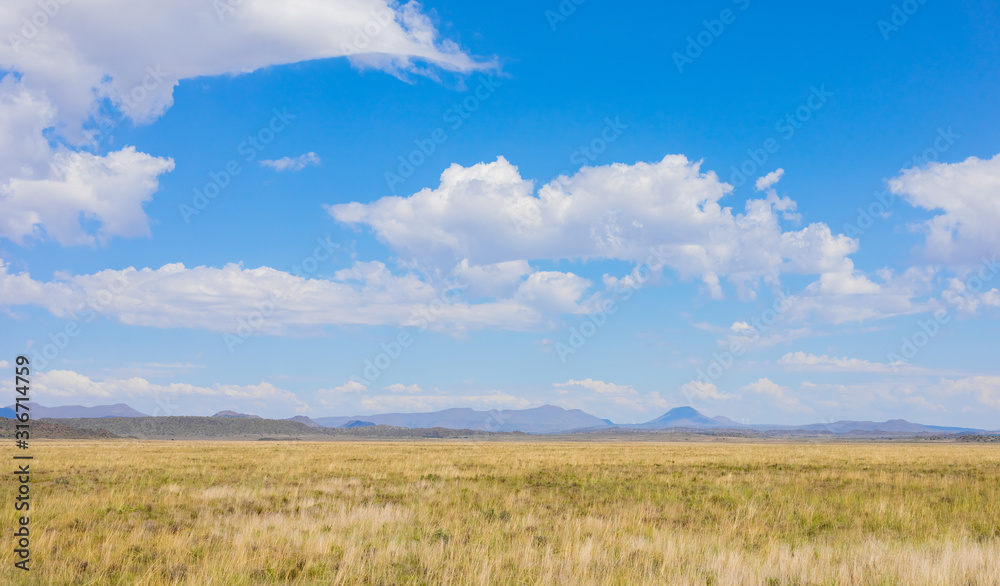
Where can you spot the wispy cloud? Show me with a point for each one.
(292, 164)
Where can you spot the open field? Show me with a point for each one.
(449, 512)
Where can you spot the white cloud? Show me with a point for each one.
(769, 180)
(336, 396)
(488, 214)
(60, 73)
(401, 388)
(959, 295)
(292, 164)
(65, 386)
(50, 190)
(848, 296)
(110, 189)
(420, 403)
(965, 193)
(705, 390)
(217, 298)
(780, 395)
(785, 205)
(986, 389)
(600, 398)
(553, 292)
(4, 364)
(599, 387)
(965, 394)
(138, 57)
(496, 280)
(741, 327)
(804, 361)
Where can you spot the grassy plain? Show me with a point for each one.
(514, 512)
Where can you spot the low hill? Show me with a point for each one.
(240, 428)
(199, 427)
(7, 413)
(235, 415)
(304, 421)
(52, 430)
(74, 411)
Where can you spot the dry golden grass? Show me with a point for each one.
(128, 512)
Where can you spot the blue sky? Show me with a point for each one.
(544, 201)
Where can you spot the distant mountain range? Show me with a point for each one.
(547, 419)
(72, 411)
(690, 418)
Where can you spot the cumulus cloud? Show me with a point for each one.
(496, 280)
(110, 190)
(48, 190)
(337, 395)
(488, 214)
(785, 205)
(986, 389)
(69, 386)
(62, 69)
(769, 180)
(292, 164)
(705, 390)
(419, 403)
(959, 295)
(849, 296)
(778, 394)
(599, 387)
(963, 394)
(804, 361)
(401, 388)
(137, 58)
(966, 195)
(218, 298)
